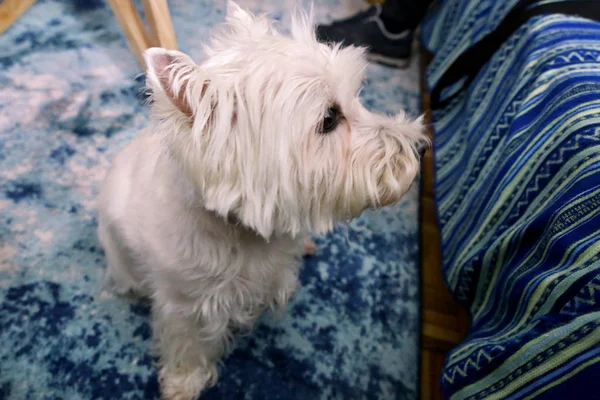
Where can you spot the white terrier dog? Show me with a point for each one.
(262, 143)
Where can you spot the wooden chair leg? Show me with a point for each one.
(159, 23)
(10, 10)
(132, 25)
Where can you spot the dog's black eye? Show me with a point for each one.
(330, 121)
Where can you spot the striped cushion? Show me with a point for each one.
(517, 159)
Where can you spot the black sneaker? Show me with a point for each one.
(366, 29)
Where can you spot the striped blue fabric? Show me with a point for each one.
(517, 162)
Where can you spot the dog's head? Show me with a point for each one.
(271, 131)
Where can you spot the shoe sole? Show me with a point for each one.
(400, 63)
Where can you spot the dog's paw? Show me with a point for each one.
(310, 247)
(185, 385)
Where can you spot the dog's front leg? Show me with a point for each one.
(189, 349)
(285, 287)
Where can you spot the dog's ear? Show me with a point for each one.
(170, 74)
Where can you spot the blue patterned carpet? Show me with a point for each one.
(68, 103)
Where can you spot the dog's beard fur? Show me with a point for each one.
(204, 213)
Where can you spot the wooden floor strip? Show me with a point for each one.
(444, 322)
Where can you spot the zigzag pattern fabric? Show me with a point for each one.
(517, 162)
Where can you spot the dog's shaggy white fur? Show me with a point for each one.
(252, 149)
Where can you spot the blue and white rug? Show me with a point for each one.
(69, 101)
